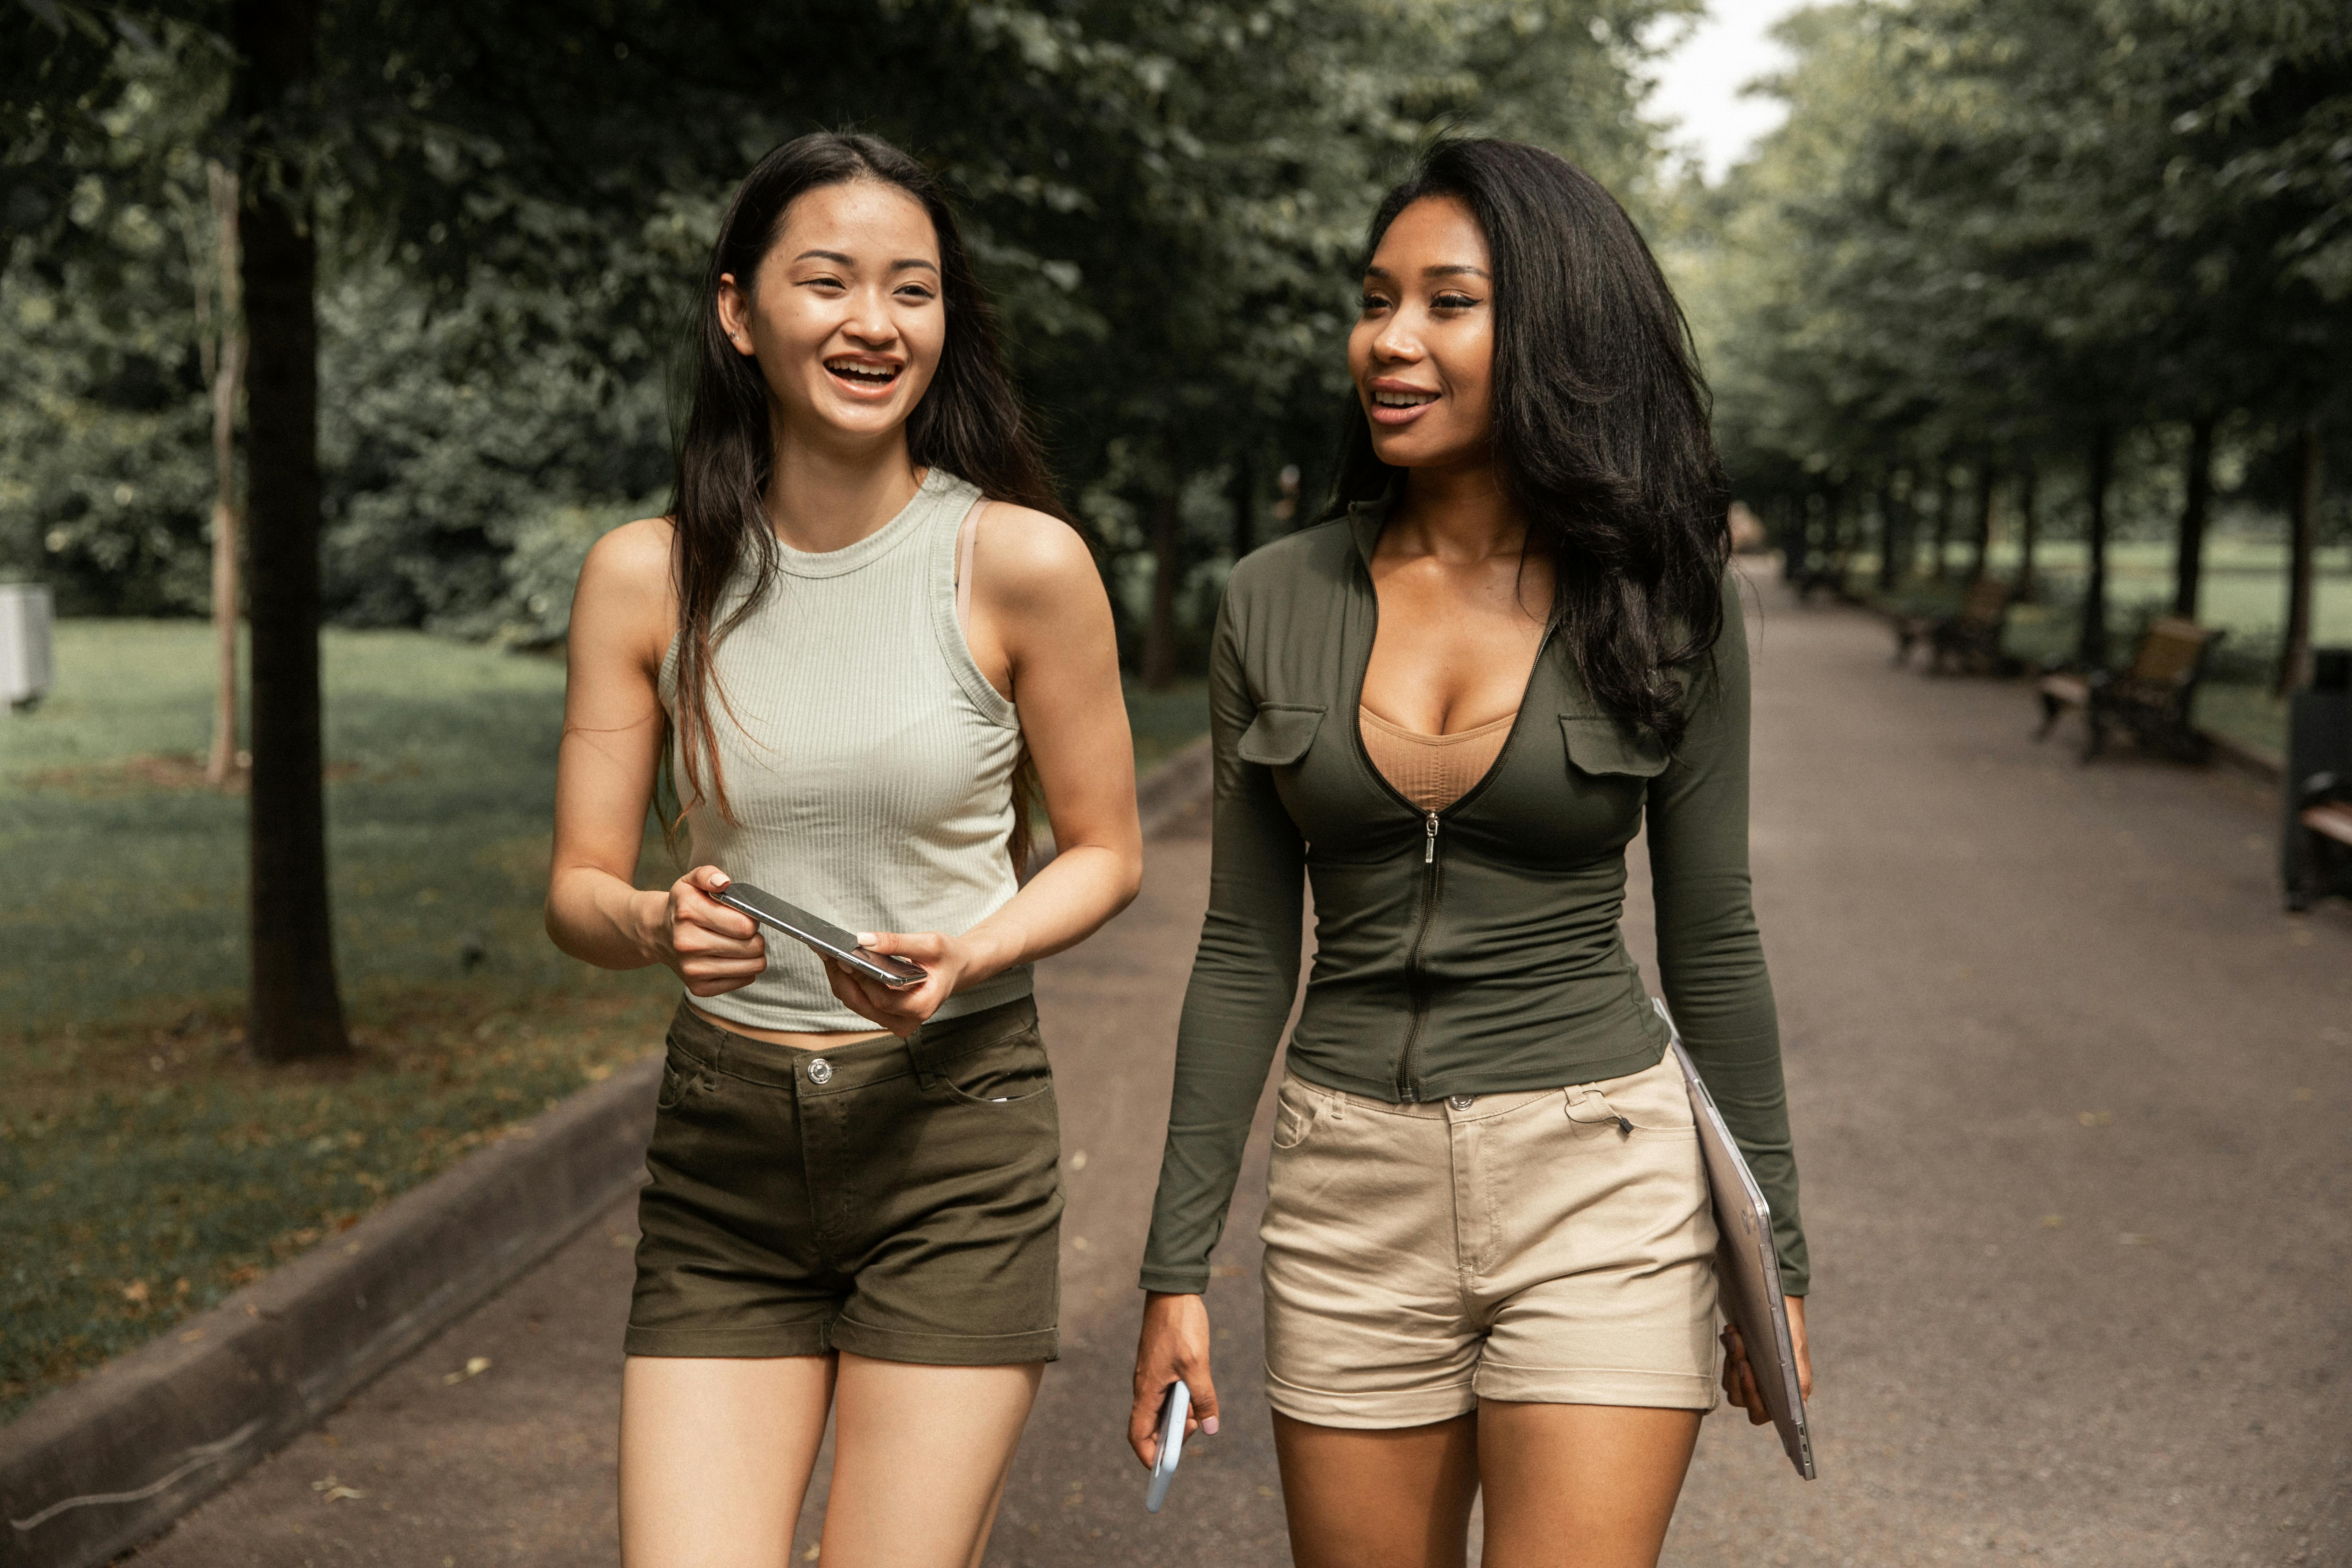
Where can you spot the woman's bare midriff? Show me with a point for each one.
(827, 1040)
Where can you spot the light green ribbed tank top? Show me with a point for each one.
(868, 760)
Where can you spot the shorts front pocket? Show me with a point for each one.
(681, 1074)
(998, 1076)
(1655, 1101)
(1652, 1103)
(1294, 1117)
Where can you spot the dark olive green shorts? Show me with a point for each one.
(898, 1199)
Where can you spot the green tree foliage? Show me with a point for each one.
(104, 470)
(1997, 236)
(515, 200)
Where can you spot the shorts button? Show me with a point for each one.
(1462, 1102)
(820, 1072)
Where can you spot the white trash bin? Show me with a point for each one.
(24, 638)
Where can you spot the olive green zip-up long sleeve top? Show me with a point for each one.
(1470, 951)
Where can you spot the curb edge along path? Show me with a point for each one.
(102, 1465)
(113, 1460)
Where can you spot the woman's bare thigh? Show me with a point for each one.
(1580, 1486)
(1566, 1486)
(1398, 1498)
(716, 1454)
(920, 1455)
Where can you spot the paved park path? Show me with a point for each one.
(2071, 1100)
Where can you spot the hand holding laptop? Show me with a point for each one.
(1766, 1371)
(1739, 1379)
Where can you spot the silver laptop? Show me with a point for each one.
(1746, 1266)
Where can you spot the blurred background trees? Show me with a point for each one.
(2042, 255)
(512, 204)
(2014, 277)
(1998, 247)
(471, 233)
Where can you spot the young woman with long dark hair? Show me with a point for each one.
(862, 625)
(1511, 644)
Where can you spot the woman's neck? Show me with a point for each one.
(1460, 515)
(823, 498)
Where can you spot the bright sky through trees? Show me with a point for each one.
(1699, 84)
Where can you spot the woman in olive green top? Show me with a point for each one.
(1514, 642)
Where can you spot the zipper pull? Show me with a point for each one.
(1429, 848)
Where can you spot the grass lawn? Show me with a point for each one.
(147, 1167)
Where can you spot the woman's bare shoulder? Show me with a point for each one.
(1026, 559)
(634, 551)
(625, 591)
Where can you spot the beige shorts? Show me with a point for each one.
(1554, 1247)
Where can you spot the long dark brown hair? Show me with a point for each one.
(1601, 433)
(969, 422)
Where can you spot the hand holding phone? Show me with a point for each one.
(712, 949)
(821, 936)
(1172, 1446)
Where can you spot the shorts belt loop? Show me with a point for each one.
(918, 1052)
(1589, 1106)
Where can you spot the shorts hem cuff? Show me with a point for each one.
(779, 1339)
(947, 1350)
(1596, 1386)
(1373, 1411)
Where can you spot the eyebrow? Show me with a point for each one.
(901, 265)
(1455, 270)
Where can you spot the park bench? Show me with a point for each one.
(2323, 818)
(2152, 699)
(1970, 636)
(2318, 859)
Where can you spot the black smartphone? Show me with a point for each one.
(820, 935)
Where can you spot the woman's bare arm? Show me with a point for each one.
(621, 617)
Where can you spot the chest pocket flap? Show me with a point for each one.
(1280, 733)
(1596, 745)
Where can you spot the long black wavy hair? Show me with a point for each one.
(969, 422)
(1602, 435)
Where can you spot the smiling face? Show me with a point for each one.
(1423, 352)
(844, 315)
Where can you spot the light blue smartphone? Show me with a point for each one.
(1172, 1446)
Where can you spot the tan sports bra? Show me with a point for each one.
(1432, 770)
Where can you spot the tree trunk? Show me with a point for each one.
(2294, 659)
(1980, 535)
(2189, 560)
(1833, 537)
(228, 382)
(1244, 499)
(2029, 529)
(1847, 509)
(296, 1010)
(2091, 649)
(1889, 577)
(1159, 638)
(1943, 520)
(1906, 528)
